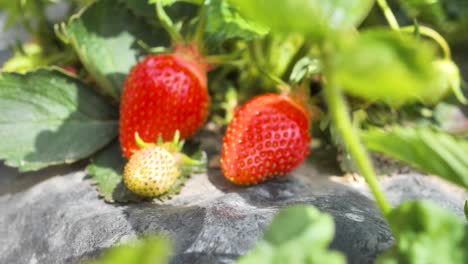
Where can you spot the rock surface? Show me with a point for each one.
(59, 219)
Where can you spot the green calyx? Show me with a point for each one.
(173, 146)
(188, 164)
(185, 164)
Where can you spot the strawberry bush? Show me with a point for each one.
(125, 83)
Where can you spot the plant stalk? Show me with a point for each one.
(389, 16)
(434, 35)
(167, 24)
(423, 30)
(200, 29)
(257, 58)
(339, 114)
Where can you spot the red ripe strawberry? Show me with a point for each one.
(162, 94)
(268, 136)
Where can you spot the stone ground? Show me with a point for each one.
(55, 215)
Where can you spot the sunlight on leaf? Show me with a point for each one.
(314, 18)
(429, 150)
(382, 65)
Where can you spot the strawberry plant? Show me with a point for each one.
(356, 75)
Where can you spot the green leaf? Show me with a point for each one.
(426, 233)
(382, 65)
(425, 9)
(105, 36)
(431, 151)
(106, 171)
(51, 118)
(177, 10)
(224, 22)
(141, 8)
(298, 234)
(315, 18)
(150, 250)
(305, 68)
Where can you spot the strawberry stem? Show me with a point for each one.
(168, 25)
(152, 50)
(423, 30)
(389, 16)
(190, 165)
(198, 35)
(231, 58)
(258, 60)
(187, 161)
(432, 34)
(339, 113)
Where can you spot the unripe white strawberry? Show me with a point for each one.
(151, 171)
(154, 170)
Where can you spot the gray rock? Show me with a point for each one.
(404, 187)
(60, 219)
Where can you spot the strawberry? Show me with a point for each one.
(155, 169)
(162, 94)
(268, 136)
(151, 171)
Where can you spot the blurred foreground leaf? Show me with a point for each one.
(150, 250)
(314, 18)
(298, 234)
(426, 233)
(224, 22)
(387, 66)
